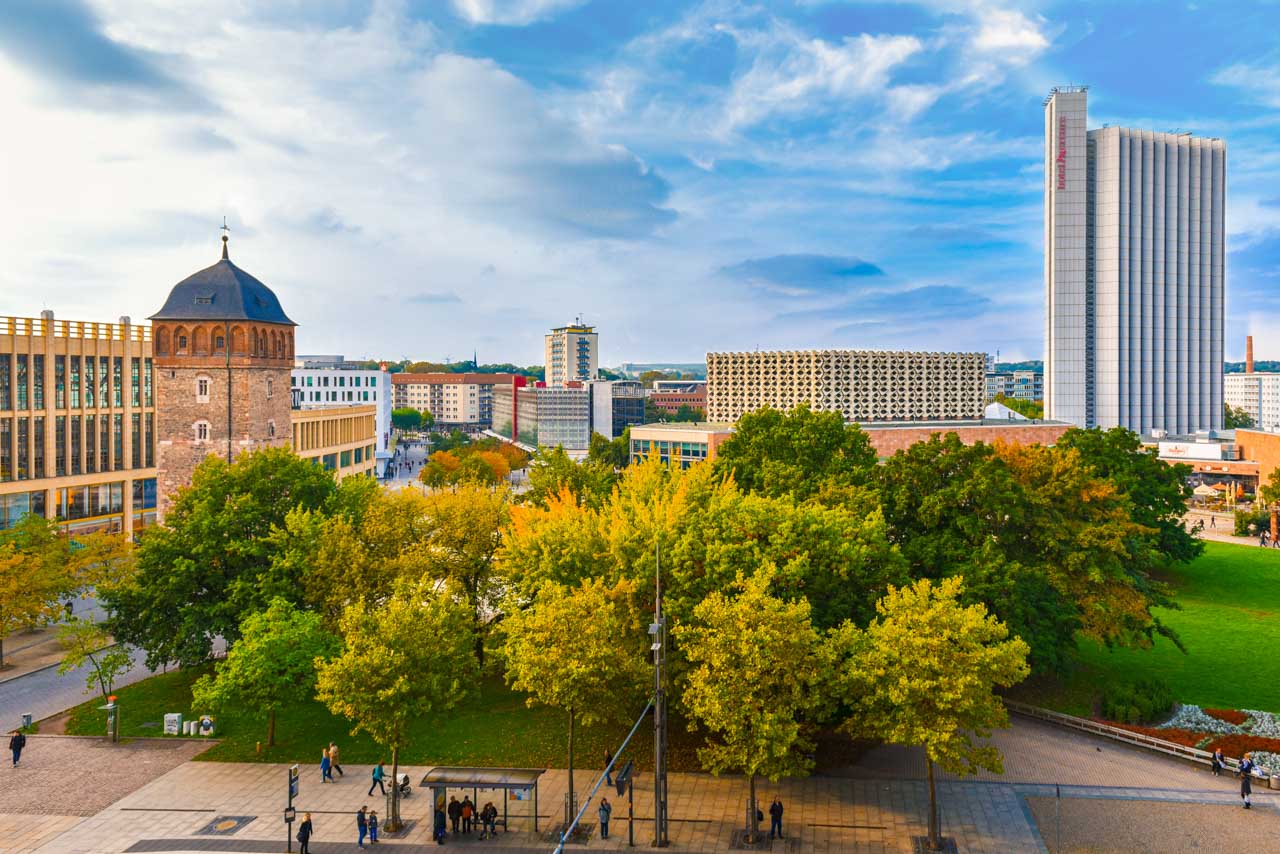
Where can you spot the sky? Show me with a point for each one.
(439, 178)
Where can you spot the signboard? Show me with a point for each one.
(293, 782)
(1062, 152)
(206, 725)
(1198, 450)
(290, 814)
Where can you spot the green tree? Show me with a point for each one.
(1236, 416)
(653, 413)
(271, 666)
(87, 642)
(406, 418)
(579, 649)
(552, 470)
(450, 441)
(685, 412)
(1159, 491)
(40, 568)
(1029, 408)
(212, 563)
(801, 453)
(757, 669)
(924, 673)
(611, 452)
(404, 660)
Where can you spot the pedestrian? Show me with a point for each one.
(1213, 521)
(489, 815)
(17, 741)
(326, 772)
(362, 825)
(605, 812)
(455, 813)
(373, 825)
(1218, 761)
(438, 827)
(468, 811)
(775, 817)
(304, 833)
(378, 776)
(608, 772)
(333, 760)
(1246, 779)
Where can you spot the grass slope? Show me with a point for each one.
(1229, 623)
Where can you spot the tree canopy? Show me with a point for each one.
(406, 418)
(211, 563)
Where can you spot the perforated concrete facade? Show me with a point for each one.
(862, 385)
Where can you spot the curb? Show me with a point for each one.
(45, 667)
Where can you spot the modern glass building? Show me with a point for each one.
(1134, 268)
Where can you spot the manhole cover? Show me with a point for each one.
(741, 842)
(224, 825)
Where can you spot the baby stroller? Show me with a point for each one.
(405, 788)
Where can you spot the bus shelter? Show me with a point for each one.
(519, 785)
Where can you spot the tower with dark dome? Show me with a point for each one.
(223, 351)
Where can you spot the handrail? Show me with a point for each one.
(39, 327)
(1192, 754)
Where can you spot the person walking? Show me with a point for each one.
(373, 826)
(326, 767)
(468, 812)
(333, 760)
(438, 827)
(1213, 521)
(1219, 760)
(455, 813)
(775, 818)
(362, 825)
(17, 741)
(304, 834)
(605, 812)
(489, 816)
(608, 772)
(378, 776)
(1246, 779)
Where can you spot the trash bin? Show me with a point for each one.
(26, 720)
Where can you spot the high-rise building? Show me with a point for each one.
(572, 354)
(862, 385)
(223, 352)
(615, 406)
(1134, 273)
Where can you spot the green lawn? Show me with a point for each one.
(493, 727)
(1229, 623)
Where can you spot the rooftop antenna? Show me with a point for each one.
(226, 230)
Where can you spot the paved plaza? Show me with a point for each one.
(77, 795)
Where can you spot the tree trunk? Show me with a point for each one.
(271, 728)
(1, 651)
(753, 824)
(571, 801)
(392, 824)
(935, 840)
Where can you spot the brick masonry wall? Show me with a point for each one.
(178, 410)
(889, 440)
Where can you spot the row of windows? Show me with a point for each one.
(82, 444)
(83, 381)
(202, 431)
(339, 381)
(338, 396)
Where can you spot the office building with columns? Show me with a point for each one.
(1135, 273)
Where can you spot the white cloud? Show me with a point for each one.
(1008, 34)
(1261, 82)
(511, 12)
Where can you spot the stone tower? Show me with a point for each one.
(223, 350)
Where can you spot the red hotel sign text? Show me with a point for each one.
(1062, 153)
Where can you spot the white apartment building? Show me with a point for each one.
(1134, 273)
(463, 401)
(572, 353)
(863, 385)
(1257, 394)
(337, 385)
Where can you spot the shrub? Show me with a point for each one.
(1231, 716)
(1250, 523)
(1141, 701)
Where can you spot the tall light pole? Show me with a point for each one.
(658, 630)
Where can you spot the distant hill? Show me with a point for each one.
(1266, 366)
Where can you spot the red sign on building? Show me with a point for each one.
(1062, 152)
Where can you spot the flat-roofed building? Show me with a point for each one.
(77, 423)
(572, 354)
(862, 385)
(343, 439)
(461, 401)
(540, 416)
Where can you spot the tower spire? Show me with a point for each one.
(225, 230)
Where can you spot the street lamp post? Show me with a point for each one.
(658, 630)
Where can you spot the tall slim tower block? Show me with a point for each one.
(223, 350)
(1135, 273)
(572, 354)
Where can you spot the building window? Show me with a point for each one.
(135, 381)
(117, 440)
(117, 381)
(219, 343)
(202, 389)
(202, 431)
(147, 385)
(91, 444)
(37, 382)
(271, 429)
(37, 459)
(89, 385)
(270, 386)
(75, 382)
(182, 343)
(104, 384)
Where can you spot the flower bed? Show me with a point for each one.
(1194, 718)
(1185, 737)
(1231, 716)
(1236, 746)
(1262, 723)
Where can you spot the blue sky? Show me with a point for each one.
(428, 178)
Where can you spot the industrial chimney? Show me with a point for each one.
(1248, 355)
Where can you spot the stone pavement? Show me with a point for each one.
(876, 807)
